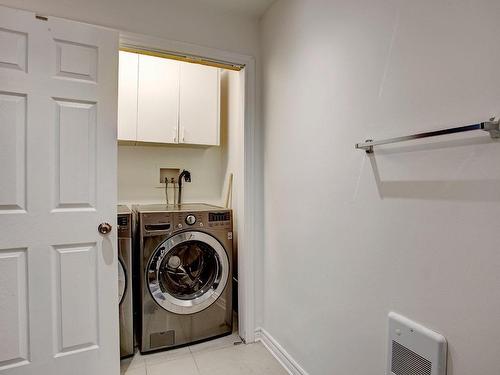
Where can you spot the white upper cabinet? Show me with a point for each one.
(167, 101)
(127, 96)
(158, 100)
(199, 105)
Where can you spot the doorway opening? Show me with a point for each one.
(217, 153)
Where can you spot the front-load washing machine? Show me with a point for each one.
(185, 274)
(125, 281)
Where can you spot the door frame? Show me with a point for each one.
(247, 191)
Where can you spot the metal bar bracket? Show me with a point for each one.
(492, 127)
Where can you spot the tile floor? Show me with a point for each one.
(216, 357)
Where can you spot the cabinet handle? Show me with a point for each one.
(174, 131)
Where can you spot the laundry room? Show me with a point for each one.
(179, 164)
(236, 187)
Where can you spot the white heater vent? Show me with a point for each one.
(414, 349)
(406, 362)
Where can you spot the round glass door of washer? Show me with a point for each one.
(122, 281)
(188, 272)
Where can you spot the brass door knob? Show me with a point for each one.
(104, 228)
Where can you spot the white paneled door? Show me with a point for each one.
(58, 274)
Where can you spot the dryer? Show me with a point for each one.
(125, 281)
(185, 274)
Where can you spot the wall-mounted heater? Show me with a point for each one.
(414, 349)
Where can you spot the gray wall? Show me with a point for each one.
(413, 229)
(189, 21)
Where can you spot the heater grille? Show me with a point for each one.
(406, 362)
(413, 349)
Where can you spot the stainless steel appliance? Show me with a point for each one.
(185, 281)
(125, 281)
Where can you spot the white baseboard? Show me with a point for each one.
(279, 353)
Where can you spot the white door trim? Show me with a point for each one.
(246, 237)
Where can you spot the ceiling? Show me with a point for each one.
(253, 8)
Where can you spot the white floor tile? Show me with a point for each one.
(238, 360)
(165, 356)
(216, 357)
(132, 363)
(222, 342)
(134, 371)
(180, 366)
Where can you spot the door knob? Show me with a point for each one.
(104, 228)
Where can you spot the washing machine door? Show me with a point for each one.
(122, 281)
(188, 272)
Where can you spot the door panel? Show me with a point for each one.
(76, 298)
(77, 61)
(58, 100)
(75, 154)
(14, 321)
(12, 148)
(13, 53)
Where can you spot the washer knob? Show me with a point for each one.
(190, 219)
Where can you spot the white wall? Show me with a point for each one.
(415, 228)
(138, 176)
(189, 21)
(232, 161)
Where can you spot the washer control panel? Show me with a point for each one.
(219, 216)
(219, 219)
(166, 223)
(213, 219)
(190, 219)
(124, 226)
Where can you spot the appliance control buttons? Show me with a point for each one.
(190, 219)
(179, 225)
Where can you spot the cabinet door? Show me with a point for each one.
(199, 105)
(127, 96)
(158, 98)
